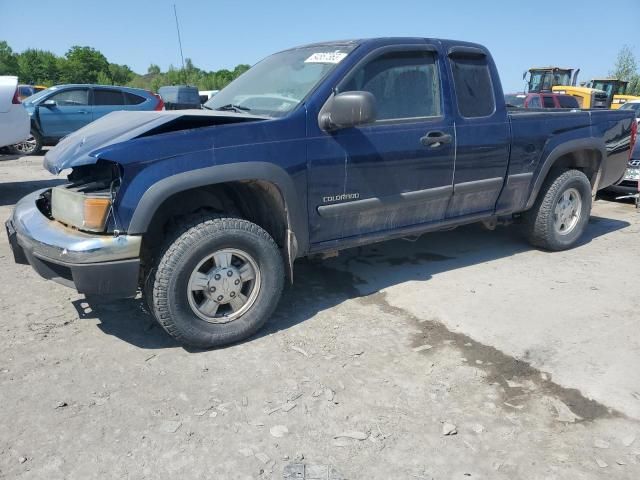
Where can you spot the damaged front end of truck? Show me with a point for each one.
(74, 233)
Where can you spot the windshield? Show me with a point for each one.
(544, 80)
(277, 85)
(38, 95)
(611, 87)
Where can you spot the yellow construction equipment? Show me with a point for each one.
(564, 80)
(616, 90)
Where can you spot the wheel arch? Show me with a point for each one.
(583, 154)
(261, 192)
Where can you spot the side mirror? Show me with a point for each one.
(49, 103)
(348, 109)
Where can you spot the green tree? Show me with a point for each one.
(626, 65)
(84, 65)
(240, 69)
(120, 74)
(8, 60)
(153, 69)
(626, 68)
(38, 67)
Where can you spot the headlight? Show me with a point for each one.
(85, 211)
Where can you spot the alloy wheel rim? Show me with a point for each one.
(26, 146)
(567, 211)
(224, 286)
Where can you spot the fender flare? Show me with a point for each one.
(208, 176)
(570, 146)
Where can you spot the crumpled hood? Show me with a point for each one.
(79, 147)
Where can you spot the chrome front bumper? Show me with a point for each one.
(96, 264)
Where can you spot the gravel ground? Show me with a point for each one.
(462, 355)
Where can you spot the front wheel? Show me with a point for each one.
(31, 146)
(217, 282)
(561, 213)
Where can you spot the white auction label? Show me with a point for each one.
(326, 57)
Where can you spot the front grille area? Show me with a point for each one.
(600, 100)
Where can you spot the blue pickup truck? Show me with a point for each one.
(313, 150)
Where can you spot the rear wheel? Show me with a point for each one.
(30, 146)
(217, 282)
(561, 213)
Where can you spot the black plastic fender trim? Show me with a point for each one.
(216, 174)
(559, 151)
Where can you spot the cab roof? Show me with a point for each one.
(383, 41)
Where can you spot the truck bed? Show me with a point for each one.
(537, 132)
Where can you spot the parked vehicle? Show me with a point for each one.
(25, 91)
(542, 100)
(630, 184)
(14, 119)
(616, 89)
(633, 105)
(63, 109)
(564, 81)
(205, 95)
(313, 150)
(180, 97)
(515, 99)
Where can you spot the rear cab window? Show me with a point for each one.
(547, 102)
(472, 82)
(567, 101)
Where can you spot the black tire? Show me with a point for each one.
(540, 221)
(193, 241)
(31, 146)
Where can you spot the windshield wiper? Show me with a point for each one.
(233, 108)
(208, 108)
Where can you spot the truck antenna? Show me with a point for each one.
(175, 13)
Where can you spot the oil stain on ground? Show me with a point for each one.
(515, 376)
(512, 374)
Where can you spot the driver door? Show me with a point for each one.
(385, 175)
(72, 111)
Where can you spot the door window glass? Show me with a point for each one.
(71, 98)
(133, 99)
(107, 97)
(405, 85)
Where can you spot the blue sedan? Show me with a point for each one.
(63, 109)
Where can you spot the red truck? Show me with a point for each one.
(541, 100)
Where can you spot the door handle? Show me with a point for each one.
(83, 111)
(435, 139)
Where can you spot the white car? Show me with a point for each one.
(14, 119)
